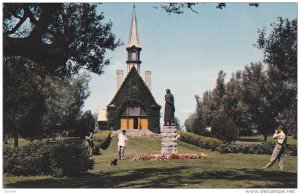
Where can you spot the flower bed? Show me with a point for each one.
(169, 156)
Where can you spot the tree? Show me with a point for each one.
(86, 124)
(64, 99)
(223, 127)
(219, 90)
(60, 38)
(23, 102)
(280, 55)
(233, 103)
(254, 94)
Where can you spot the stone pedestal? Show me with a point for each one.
(168, 139)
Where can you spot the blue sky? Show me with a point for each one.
(185, 52)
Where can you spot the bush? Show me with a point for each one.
(44, 159)
(201, 141)
(262, 148)
(69, 160)
(25, 160)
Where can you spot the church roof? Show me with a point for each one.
(134, 35)
(132, 77)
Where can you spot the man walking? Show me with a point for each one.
(279, 149)
(122, 138)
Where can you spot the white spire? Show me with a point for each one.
(134, 35)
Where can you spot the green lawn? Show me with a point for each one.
(216, 171)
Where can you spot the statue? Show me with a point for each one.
(169, 109)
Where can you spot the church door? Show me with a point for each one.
(133, 117)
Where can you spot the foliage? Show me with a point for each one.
(280, 55)
(254, 94)
(223, 127)
(201, 141)
(45, 159)
(35, 104)
(86, 124)
(199, 121)
(257, 97)
(64, 37)
(216, 145)
(23, 101)
(139, 94)
(64, 99)
(180, 8)
(262, 148)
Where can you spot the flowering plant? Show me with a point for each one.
(169, 156)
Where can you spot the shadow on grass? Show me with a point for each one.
(278, 178)
(163, 178)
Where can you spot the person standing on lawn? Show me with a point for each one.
(122, 139)
(279, 149)
(90, 143)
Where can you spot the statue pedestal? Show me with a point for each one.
(168, 139)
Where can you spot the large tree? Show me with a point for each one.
(60, 38)
(233, 103)
(23, 99)
(254, 94)
(280, 55)
(64, 99)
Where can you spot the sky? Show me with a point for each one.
(185, 52)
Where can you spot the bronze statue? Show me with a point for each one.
(169, 109)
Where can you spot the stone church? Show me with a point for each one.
(133, 106)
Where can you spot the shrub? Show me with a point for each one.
(69, 160)
(201, 141)
(25, 160)
(44, 159)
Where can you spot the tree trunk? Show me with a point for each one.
(16, 137)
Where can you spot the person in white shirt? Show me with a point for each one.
(122, 139)
(279, 149)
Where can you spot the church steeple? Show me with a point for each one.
(134, 35)
(133, 47)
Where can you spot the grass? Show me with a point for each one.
(216, 171)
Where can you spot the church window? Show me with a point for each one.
(133, 110)
(133, 56)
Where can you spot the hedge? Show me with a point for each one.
(47, 159)
(201, 141)
(217, 145)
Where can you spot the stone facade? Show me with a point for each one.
(169, 138)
